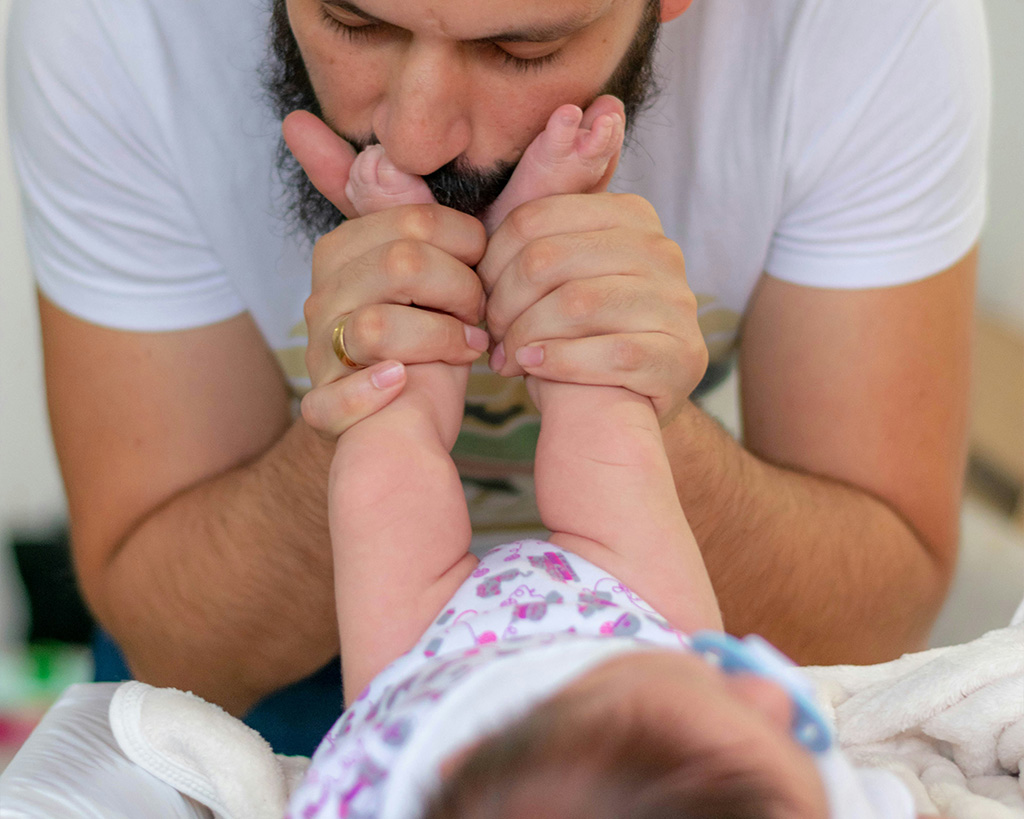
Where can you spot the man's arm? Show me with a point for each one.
(834, 532)
(197, 508)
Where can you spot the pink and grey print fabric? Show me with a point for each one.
(522, 596)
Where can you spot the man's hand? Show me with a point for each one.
(588, 289)
(378, 272)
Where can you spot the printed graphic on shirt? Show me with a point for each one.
(496, 444)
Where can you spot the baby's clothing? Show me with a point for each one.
(529, 620)
(523, 597)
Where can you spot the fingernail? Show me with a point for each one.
(530, 356)
(498, 357)
(387, 376)
(477, 338)
(571, 117)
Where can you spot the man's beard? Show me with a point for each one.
(456, 184)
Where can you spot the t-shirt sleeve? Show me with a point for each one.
(111, 234)
(886, 149)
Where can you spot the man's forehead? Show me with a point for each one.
(500, 20)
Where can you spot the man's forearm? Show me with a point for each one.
(241, 567)
(824, 570)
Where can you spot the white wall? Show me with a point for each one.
(1001, 278)
(30, 491)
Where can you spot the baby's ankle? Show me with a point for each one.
(614, 423)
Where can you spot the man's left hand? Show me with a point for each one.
(590, 285)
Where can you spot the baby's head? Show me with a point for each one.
(646, 734)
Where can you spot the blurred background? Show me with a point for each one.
(43, 627)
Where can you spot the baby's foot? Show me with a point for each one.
(564, 158)
(374, 183)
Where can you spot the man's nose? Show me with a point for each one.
(424, 123)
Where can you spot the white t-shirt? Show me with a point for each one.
(831, 143)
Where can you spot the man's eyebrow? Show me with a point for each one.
(352, 8)
(539, 33)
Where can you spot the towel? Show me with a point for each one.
(204, 752)
(949, 722)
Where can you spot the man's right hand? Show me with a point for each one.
(402, 279)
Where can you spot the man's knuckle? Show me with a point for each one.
(667, 252)
(693, 357)
(418, 222)
(635, 205)
(686, 301)
(579, 301)
(627, 354)
(312, 410)
(538, 259)
(403, 260)
(311, 309)
(523, 221)
(369, 325)
(700, 354)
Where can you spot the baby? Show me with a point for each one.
(567, 678)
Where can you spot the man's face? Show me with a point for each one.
(454, 90)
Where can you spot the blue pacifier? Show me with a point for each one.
(758, 656)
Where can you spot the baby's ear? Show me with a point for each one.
(670, 9)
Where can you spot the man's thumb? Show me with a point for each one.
(324, 156)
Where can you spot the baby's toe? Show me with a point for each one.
(602, 140)
(375, 183)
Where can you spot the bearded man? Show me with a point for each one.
(818, 163)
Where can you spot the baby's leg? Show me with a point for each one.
(563, 158)
(605, 490)
(399, 526)
(603, 481)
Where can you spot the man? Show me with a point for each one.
(819, 163)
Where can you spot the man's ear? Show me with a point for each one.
(670, 9)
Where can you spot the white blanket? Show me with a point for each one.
(203, 752)
(949, 722)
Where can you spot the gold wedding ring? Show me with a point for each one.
(338, 343)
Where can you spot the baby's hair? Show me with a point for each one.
(564, 762)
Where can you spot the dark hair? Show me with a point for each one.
(562, 762)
